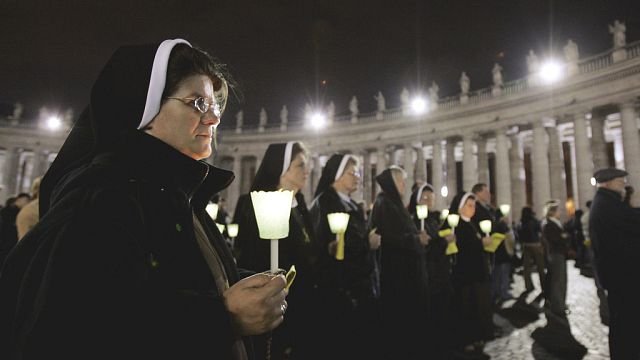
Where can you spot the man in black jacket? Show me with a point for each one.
(615, 237)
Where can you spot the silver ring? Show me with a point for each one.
(283, 307)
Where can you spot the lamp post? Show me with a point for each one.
(422, 211)
(338, 223)
(272, 210)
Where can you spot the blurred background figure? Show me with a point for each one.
(29, 215)
(8, 228)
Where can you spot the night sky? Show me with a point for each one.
(288, 52)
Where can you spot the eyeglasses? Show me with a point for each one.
(201, 105)
(355, 174)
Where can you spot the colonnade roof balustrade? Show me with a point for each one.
(598, 81)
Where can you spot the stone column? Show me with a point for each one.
(366, 177)
(381, 162)
(584, 163)
(421, 165)
(409, 167)
(503, 176)
(516, 170)
(11, 165)
(540, 167)
(437, 174)
(469, 166)
(483, 160)
(451, 169)
(233, 192)
(630, 142)
(598, 142)
(556, 168)
(39, 162)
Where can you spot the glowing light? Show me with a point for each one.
(54, 123)
(551, 71)
(593, 181)
(444, 191)
(418, 105)
(318, 120)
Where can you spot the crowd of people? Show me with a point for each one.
(124, 260)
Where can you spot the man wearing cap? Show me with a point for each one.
(615, 237)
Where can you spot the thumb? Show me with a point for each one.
(257, 280)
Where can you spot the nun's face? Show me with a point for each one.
(297, 174)
(468, 209)
(427, 198)
(349, 181)
(181, 125)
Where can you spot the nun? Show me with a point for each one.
(439, 269)
(284, 166)
(403, 272)
(345, 285)
(470, 273)
(125, 262)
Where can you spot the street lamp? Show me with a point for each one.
(551, 71)
(53, 123)
(318, 120)
(419, 105)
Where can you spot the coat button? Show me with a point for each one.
(178, 228)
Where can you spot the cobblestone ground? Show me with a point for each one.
(516, 341)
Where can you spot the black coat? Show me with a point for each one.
(615, 236)
(113, 269)
(471, 264)
(489, 213)
(353, 275)
(555, 238)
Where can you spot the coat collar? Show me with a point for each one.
(154, 160)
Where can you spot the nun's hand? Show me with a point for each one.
(332, 247)
(374, 240)
(486, 241)
(450, 238)
(424, 238)
(256, 303)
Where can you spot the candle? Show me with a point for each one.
(485, 226)
(422, 211)
(338, 224)
(272, 210)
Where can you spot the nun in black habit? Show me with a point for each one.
(470, 274)
(403, 272)
(124, 262)
(345, 286)
(439, 270)
(284, 166)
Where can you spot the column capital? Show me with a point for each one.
(631, 103)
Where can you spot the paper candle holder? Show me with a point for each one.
(272, 210)
(232, 230)
(212, 210)
(338, 224)
(485, 226)
(504, 209)
(220, 227)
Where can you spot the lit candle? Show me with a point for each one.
(504, 209)
(338, 223)
(444, 214)
(452, 220)
(272, 210)
(212, 210)
(423, 212)
(485, 226)
(220, 227)
(232, 231)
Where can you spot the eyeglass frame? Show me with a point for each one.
(193, 103)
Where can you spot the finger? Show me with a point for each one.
(256, 280)
(275, 285)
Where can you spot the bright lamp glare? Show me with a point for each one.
(419, 105)
(593, 181)
(318, 120)
(550, 71)
(54, 123)
(444, 191)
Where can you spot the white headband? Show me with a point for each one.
(463, 200)
(343, 164)
(287, 157)
(158, 80)
(420, 190)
